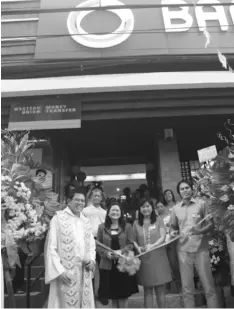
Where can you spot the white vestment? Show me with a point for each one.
(2, 285)
(69, 244)
(230, 246)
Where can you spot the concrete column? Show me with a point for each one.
(169, 164)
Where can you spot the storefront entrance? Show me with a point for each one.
(139, 142)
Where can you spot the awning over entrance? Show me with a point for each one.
(116, 83)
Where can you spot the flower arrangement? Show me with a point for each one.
(25, 216)
(215, 183)
(214, 258)
(125, 258)
(23, 219)
(129, 263)
(219, 258)
(216, 250)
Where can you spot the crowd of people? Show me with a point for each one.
(117, 226)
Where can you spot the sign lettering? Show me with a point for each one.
(170, 14)
(135, 32)
(35, 116)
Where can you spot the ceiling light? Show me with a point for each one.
(136, 176)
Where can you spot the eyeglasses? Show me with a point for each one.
(78, 200)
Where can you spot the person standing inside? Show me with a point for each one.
(70, 256)
(193, 250)
(136, 197)
(94, 211)
(96, 186)
(169, 199)
(164, 214)
(148, 232)
(148, 195)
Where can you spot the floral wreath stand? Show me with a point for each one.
(33, 250)
(8, 279)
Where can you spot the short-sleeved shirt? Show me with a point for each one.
(184, 217)
(96, 215)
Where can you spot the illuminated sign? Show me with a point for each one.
(202, 16)
(133, 32)
(120, 35)
(136, 176)
(171, 16)
(42, 115)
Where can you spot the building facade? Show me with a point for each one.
(144, 86)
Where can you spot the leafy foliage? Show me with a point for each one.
(25, 214)
(215, 182)
(16, 160)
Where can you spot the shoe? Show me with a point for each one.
(103, 301)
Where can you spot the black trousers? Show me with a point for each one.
(98, 259)
(18, 281)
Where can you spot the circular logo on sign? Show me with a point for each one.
(100, 40)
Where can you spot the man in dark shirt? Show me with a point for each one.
(193, 250)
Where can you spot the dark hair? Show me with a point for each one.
(108, 222)
(153, 216)
(127, 189)
(71, 190)
(111, 200)
(173, 196)
(183, 181)
(41, 170)
(143, 186)
(148, 189)
(160, 202)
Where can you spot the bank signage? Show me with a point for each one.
(87, 39)
(161, 30)
(43, 115)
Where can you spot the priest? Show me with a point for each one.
(70, 256)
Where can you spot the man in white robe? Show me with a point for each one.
(2, 285)
(70, 257)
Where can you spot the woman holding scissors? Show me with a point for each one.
(155, 271)
(117, 235)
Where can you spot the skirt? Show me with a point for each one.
(155, 268)
(115, 284)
